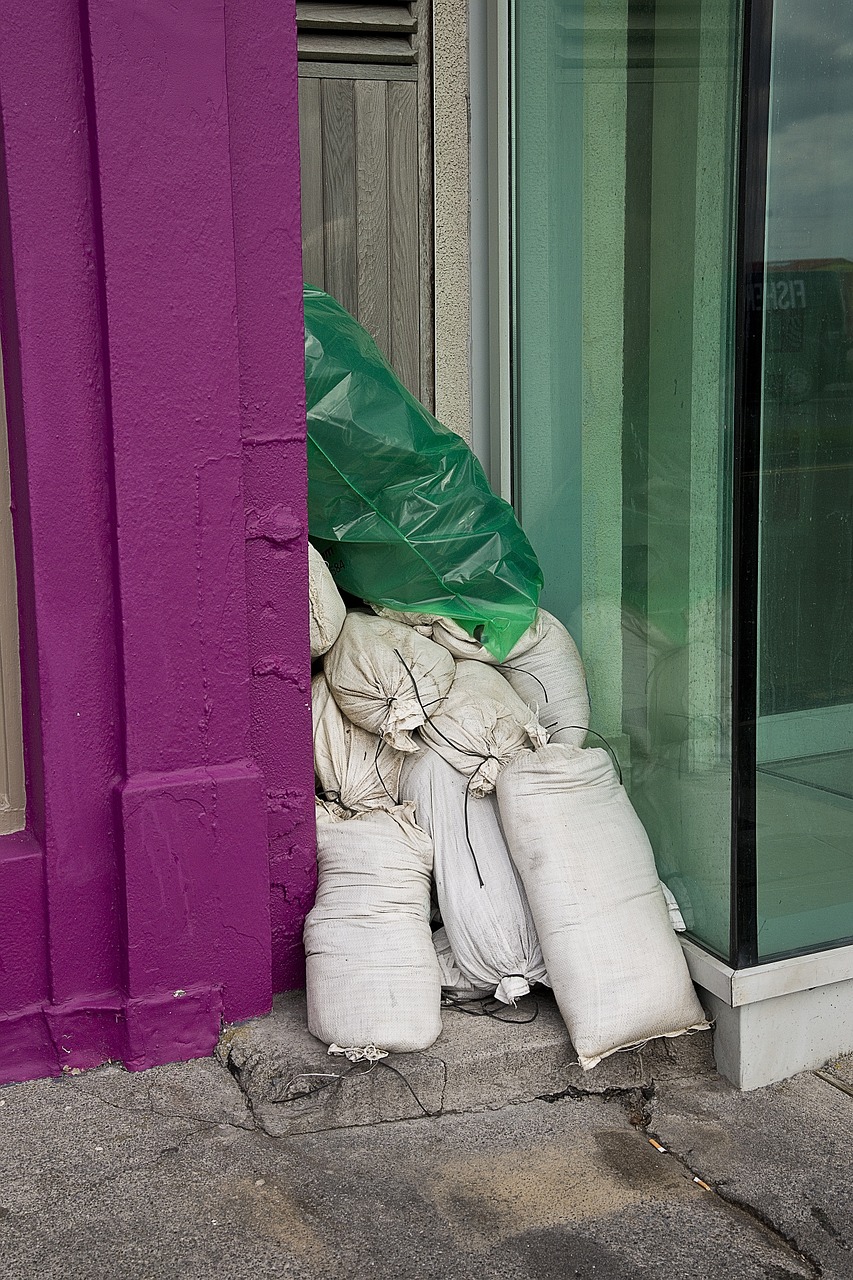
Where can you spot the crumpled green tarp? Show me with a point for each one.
(397, 503)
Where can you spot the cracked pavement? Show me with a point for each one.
(167, 1173)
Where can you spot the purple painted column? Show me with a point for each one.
(195, 847)
(60, 881)
(152, 342)
(263, 112)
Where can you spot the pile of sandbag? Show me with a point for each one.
(469, 846)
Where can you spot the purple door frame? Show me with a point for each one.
(152, 343)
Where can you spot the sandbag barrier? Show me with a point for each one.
(439, 766)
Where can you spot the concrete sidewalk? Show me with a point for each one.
(174, 1173)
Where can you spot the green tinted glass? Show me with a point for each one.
(624, 120)
(804, 288)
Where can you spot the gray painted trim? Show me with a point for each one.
(739, 987)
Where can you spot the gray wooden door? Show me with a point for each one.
(365, 132)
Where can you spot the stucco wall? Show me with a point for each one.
(452, 215)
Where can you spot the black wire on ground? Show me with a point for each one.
(459, 1005)
(334, 1079)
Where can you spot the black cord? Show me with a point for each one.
(465, 751)
(335, 1079)
(506, 667)
(482, 1011)
(583, 729)
(334, 797)
(465, 815)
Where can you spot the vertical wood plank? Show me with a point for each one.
(311, 173)
(339, 191)
(372, 258)
(404, 230)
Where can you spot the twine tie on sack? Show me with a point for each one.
(369, 1053)
(334, 797)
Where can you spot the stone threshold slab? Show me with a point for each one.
(293, 1086)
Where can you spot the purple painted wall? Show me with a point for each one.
(152, 342)
(260, 41)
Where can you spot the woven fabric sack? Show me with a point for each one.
(372, 977)
(326, 608)
(354, 768)
(489, 926)
(615, 965)
(453, 980)
(544, 669)
(481, 725)
(676, 919)
(422, 622)
(386, 677)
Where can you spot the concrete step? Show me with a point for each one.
(477, 1064)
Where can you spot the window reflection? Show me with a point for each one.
(804, 292)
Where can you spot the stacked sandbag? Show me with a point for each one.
(481, 725)
(490, 932)
(615, 965)
(386, 677)
(422, 622)
(327, 610)
(544, 668)
(676, 919)
(454, 984)
(372, 976)
(354, 768)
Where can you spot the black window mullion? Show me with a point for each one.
(746, 470)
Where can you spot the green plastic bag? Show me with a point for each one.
(397, 503)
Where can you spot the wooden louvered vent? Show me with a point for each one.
(357, 33)
(365, 143)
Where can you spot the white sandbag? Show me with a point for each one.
(544, 668)
(463, 646)
(326, 608)
(422, 622)
(489, 926)
(615, 965)
(372, 977)
(481, 725)
(451, 635)
(453, 981)
(354, 767)
(386, 677)
(676, 919)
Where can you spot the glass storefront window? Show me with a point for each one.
(804, 292)
(624, 140)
